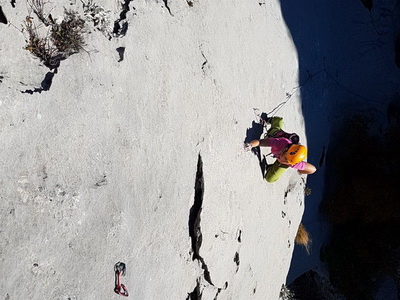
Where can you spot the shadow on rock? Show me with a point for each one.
(255, 133)
(44, 85)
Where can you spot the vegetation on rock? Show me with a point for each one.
(53, 41)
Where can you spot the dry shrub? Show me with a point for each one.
(37, 6)
(303, 238)
(50, 41)
(99, 16)
(37, 45)
(67, 37)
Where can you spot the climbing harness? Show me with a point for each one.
(120, 289)
(293, 137)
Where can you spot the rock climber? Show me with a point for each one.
(285, 147)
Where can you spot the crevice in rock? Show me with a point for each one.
(205, 61)
(195, 219)
(195, 211)
(121, 25)
(236, 259)
(220, 289)
(217, 294)
(196, 294)
(287, 192)
(322, 157)
(255, 289)
(3, 18)
(121, 52)
(239, 238)
(206, 275)
(44, 85)
(167, 7)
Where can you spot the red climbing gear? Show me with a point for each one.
(120, 289)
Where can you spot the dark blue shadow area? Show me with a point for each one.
(346, 55)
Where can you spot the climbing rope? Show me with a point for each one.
(299, 87)
(292, 92)
(120, 289)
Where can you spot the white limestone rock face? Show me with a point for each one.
(100, 156)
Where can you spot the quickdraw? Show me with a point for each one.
(120, 289)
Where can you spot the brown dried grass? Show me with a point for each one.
(303, 238)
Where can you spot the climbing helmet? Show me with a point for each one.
(295, 154)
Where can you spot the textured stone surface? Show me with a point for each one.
(99, 159)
